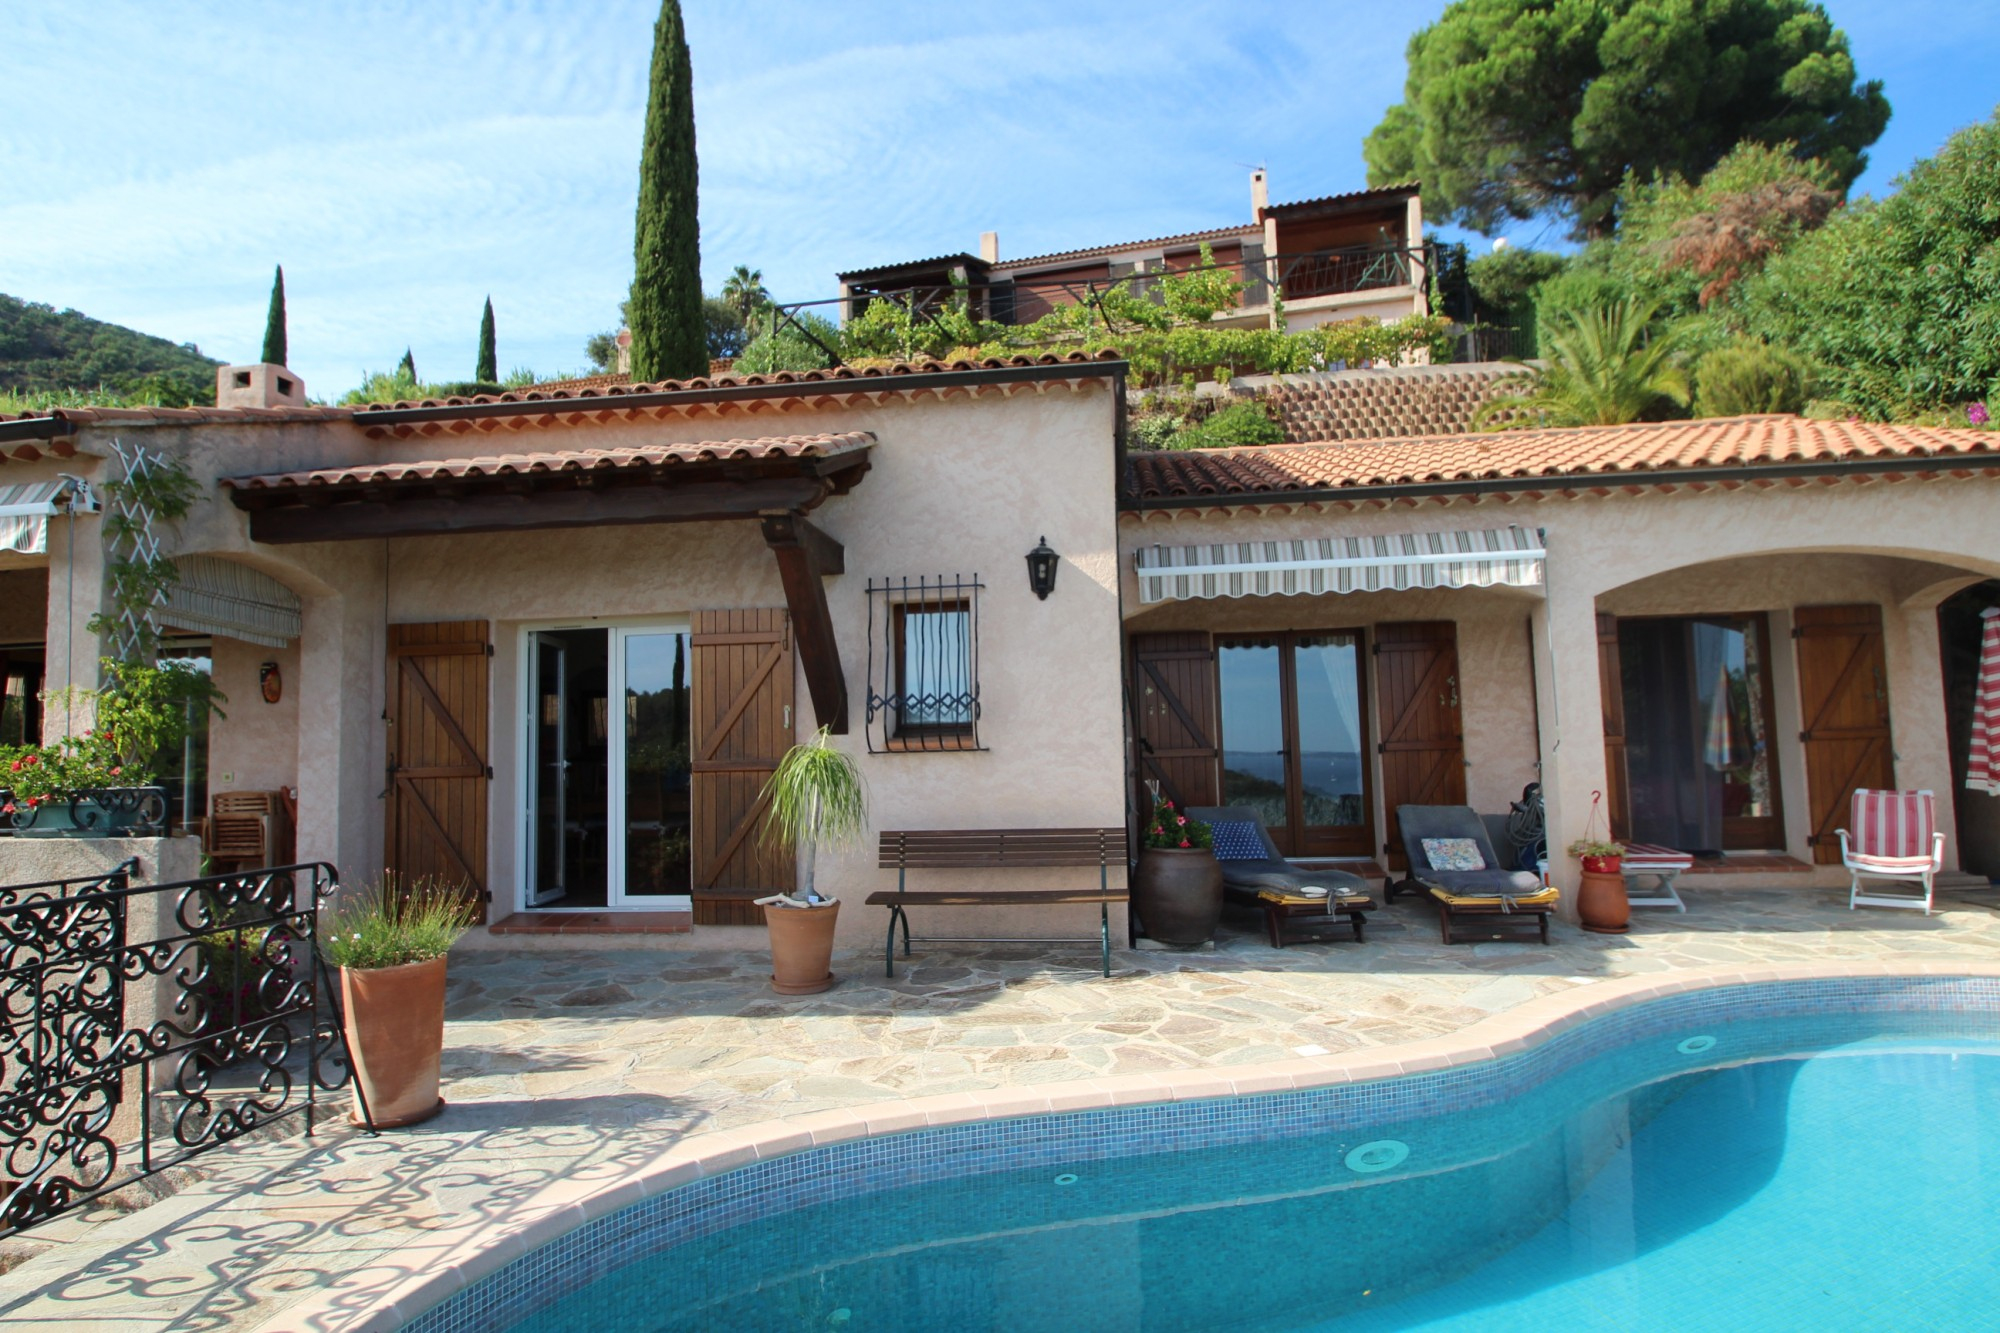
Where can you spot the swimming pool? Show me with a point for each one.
(1755, 1156)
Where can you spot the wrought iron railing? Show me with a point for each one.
(144, 1024)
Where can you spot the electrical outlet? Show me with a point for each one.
(228, 778)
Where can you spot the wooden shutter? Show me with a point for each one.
(1844, 699)
(438, 774)
(1423, 745)
(1173, 723)
(1611, 692)
(741, 726)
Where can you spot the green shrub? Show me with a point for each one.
(1747, 377)
(1154, 430)
(1237, 424)
(390, 924)
(788, 349)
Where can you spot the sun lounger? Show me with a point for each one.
(1283, 892)
(1482, 890)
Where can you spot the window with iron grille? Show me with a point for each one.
(923, 663)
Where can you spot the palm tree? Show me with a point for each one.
(1604, 366)
(744, 290)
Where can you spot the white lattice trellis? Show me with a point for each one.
(132, 628)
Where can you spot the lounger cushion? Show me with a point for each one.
(1238, 840)
(1525, 901)
(1481, 883)
(1453, 854)
(1276, 874)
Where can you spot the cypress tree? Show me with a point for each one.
(669, 338)
(488, 370)
(274, 322)
(407, 367)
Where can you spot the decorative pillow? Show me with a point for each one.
(1453, 854)
(1238, 840)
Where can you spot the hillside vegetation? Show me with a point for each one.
(45, 352)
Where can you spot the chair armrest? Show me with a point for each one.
(1937, 850)
(1844, 849)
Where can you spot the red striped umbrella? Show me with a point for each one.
(1982, 771)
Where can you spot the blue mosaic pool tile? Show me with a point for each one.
(1844, 1008)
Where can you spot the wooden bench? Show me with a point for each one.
(997, 849)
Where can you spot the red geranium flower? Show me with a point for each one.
(1186, 843)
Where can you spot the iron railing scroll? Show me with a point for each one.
(144, 1024)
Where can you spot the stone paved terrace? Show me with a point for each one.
(579, 1063)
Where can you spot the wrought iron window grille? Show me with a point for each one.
(142, 1025)
(923, 664)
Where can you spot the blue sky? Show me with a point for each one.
(404, 160)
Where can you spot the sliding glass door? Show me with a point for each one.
(1294, 740)
(608, 771)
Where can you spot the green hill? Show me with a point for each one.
(45, 352)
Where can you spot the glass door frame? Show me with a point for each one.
(619, 630)
(1296, 840)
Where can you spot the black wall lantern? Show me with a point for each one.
(1042, 564)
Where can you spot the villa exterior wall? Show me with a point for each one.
(1902, 547)
(957, 486)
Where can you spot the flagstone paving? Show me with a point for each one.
(560, 1062)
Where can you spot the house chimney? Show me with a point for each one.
(621, 361)
(1260, 195)
(989, 246)
(259, 385)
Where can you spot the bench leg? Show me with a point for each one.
(889, 946)
(1104, 933)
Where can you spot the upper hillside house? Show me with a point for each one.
(578, 629)
(1345, 256)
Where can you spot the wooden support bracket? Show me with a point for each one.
(805, 556)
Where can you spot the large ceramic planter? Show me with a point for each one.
(1178, 894)
(395, 1032)
(801, 947)
(1601, 905)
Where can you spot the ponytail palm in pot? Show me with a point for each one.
(816, 801)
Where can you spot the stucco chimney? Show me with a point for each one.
(989, 246)
(622, 361)
(1260, 194)
(259, 385)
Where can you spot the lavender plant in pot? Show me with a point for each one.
(817, 800)
(390, 942)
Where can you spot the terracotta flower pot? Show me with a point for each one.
(1601, 905)
(801, 948)
(1178, 894)
(395, 1030)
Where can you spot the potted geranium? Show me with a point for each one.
(98, 782)
(1599, 857)
(389, 941)
(1601, 902)
(817, 799)
(1177, 889)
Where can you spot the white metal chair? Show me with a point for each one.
(1895, 837)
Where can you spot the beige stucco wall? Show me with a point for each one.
(959, 485)
(1901, 546)
(255, 747)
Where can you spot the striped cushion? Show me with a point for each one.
(1890, 864)
(1893, 824)
(1649, 857)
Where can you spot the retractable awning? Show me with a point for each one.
(25, 510)
(1478, 558)
(222, 597)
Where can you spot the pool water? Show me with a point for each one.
(1789, 1181)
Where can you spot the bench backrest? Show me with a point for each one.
(999, 849)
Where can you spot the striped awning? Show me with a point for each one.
(25, 510)
(1479, 558)
(216, 596)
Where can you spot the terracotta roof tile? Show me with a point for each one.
(1350, 197)
(1606, 451)
(1250, 230)
(565, 460)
